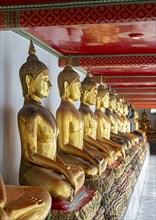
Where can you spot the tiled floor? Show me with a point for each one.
(147, 208)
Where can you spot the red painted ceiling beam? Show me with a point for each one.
(77, 15)
(143, 90)
(144, 106)
(108, 61)
(128, 81)
(143, 101)
(140, 96)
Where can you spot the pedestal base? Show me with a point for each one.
(102, 184)
(84, 206)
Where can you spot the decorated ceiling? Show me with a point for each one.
(115, 39)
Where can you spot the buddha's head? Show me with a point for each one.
(69, 84)
(34, 76)
(136, 114)
(89, 91)
(119, 105)
(102, 98)
(125, 107)
(144, 115)
(131, 110)
(113, 101)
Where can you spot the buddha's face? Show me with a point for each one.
(75, 90)
(41, 85)
(121, 108)
(125, 109)
(118, 106)
(105, 101)
(144, 116)
(113, 103)
(91, 96)
(136, 115)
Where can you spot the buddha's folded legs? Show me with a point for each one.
(78, 173)
(89, 169)
(55, 183)
(27, 202)
(93, 151)
(3, 214)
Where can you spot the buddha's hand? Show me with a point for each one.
(68, 167)
(123, 152)
(3, 215)
(72, 179)
(100, 164)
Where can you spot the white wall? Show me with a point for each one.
(14, 52)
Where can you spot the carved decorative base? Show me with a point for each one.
(116, 207)
(100, 214)
(127, 160)
(102, 184)
(84, 207)
(119, 170)
(128, 192)
(132, 178)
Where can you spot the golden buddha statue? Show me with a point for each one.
(70, 124)
(110, 114)
(91, 142)
(136, 121)
(145, 124)
(117, 123)
(136, 116)
(118, 112)
(88, 98)
(103, 122)
(124, 114)
(23, 202)
(133, 117)
(40, 164)
(102, 102)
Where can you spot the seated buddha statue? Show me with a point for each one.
(40, 165)
(114, 121)
(118, 111)
(145, 124)
(136, 122)
(23, 202)
(110, 114)
(132, 116)
(124, 114)
(88, 99)
(103, 122)
(136, 116)
(70, 124)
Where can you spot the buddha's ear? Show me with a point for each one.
(66, 85)
(66, 90)
(86, 93)
(28, 80)
(98, 98)
(84, 96)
